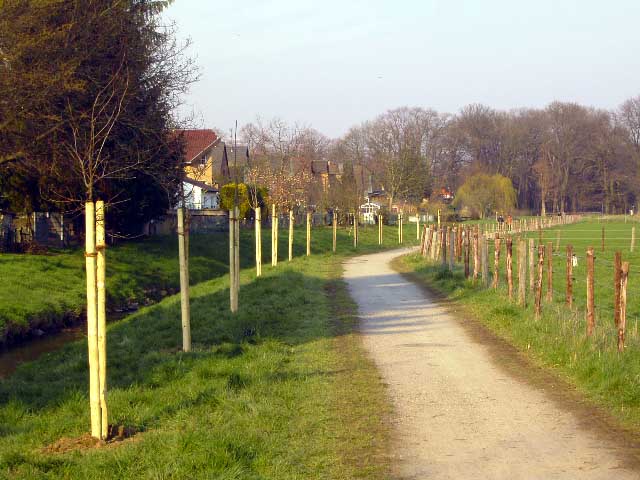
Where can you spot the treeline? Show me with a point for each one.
(565, 157)
(88, 95)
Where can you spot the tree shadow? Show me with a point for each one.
(144, 348)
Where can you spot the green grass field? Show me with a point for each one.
(283, 390)
(45, 291)
(558, 340)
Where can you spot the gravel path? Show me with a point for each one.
(458, 414)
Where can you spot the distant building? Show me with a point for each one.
(205, 156)
(200, 196)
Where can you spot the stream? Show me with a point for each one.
(33, 349)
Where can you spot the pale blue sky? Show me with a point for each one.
(335, 63)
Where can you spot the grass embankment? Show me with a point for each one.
(283, 390)
(558, 340)
(48, 291)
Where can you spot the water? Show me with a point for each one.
(10, 359)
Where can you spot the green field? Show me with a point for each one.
(558, 340)
(47, 291)
(282, 390)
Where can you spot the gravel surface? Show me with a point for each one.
(458, 414)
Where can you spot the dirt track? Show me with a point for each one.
(458, 414)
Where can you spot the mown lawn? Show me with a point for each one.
(558, 340)
(283, 390)
(45, 291)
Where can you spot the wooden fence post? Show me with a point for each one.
(101, 247)
(496, 262)
(335, 231)
(467, 252)
(476, 253)
(308, 234)
(443, 245)
(617, 271)
(549, 297)
(624, 274)
(538, 301)
(291, 224)
(380, 224)
(460, 245)
(633, 238)
(522, 272)
(417, 226)
(452, 249)
(485, 261)
(509, 265)
(569, 297)
(591, 323)
(532, 262)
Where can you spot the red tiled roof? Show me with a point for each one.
(196, 141)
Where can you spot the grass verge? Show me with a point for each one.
(282, 390)
(47, 292)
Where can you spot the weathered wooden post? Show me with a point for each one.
(538, 300)
(549, 297)
(485, 261)
(258, 229)
(633, 238)
(101, 247)
(532, 262)
(335, 231)
(308, 234)
(444, 245)
(291, 226)
(452, 248)
(569, 298)
(92, 320)
(400, 228)
(233, 294)
(522, 272)
(624, 275)
(591, 322)
(467, 252)
(509, 264)
(476, 253)
(496, 261)
(460, 244)
(380, 224)
(617, 272)
(417, 226)
(184, 282)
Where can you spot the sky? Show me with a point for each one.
(333, 64)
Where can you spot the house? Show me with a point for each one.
(238, 161)
(326, 173)
(446, 195)
(200, 196)
(205, 156)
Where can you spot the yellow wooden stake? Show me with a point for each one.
(92, 320)
(101, 246)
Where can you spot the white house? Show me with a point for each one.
(200, 196)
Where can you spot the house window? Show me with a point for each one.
(203, 159)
